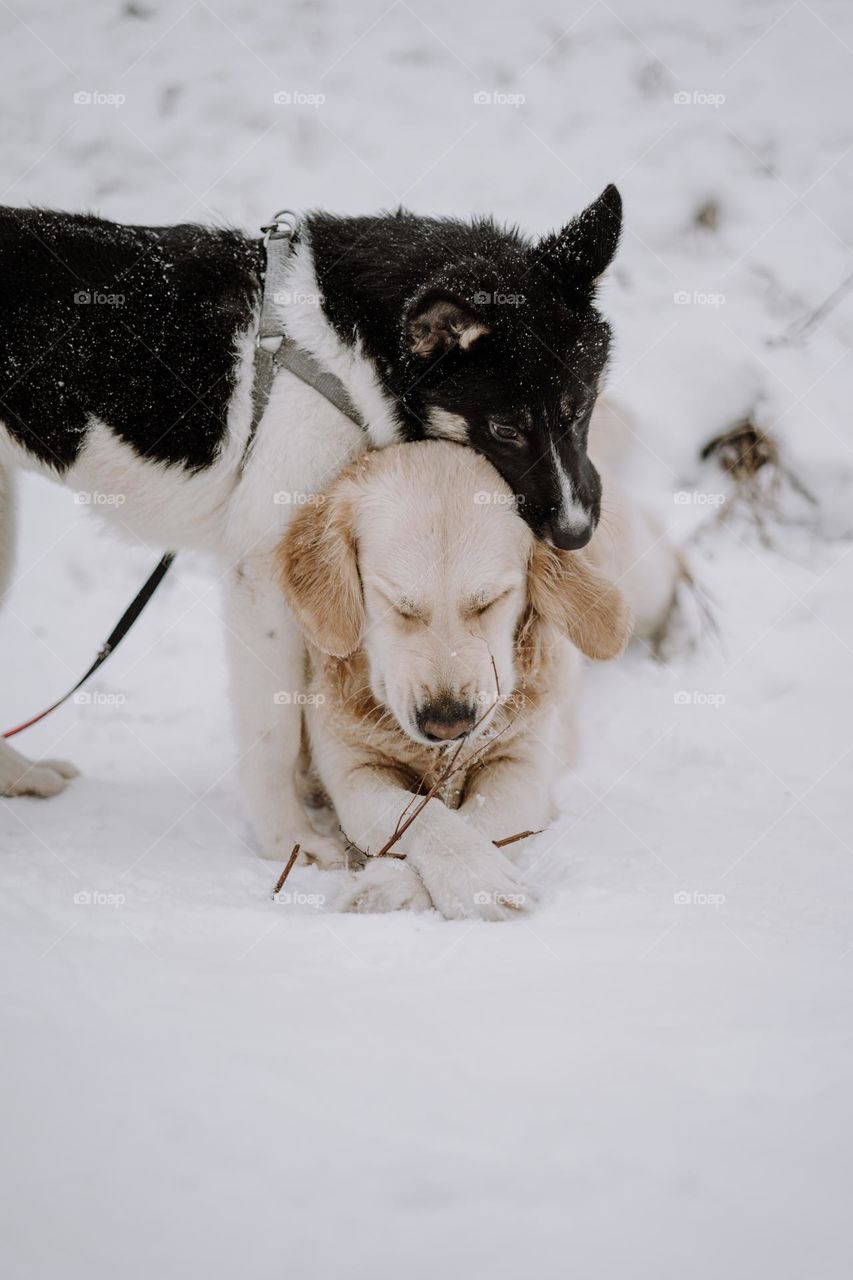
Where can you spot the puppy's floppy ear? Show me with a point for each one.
(585, 247)
(437, 321)
(319, 572)
(575, 598)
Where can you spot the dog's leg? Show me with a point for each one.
(22, 777)
(18, 775)
(512, 789)
(267, 660)
(463, 873)
(372, 800)
(509, 795)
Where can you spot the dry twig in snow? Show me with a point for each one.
(286, 872)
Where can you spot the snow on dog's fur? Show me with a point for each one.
(456, 625)
(126, 368)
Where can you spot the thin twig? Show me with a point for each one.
(404, 822)
(521, 835)
(472, 759)
(454, 764)
(415, 795)
(286, 872)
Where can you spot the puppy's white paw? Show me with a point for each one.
(385, 884)
(46, 778)
(473, 883)
(323, 850)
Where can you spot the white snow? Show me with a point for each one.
(197, 1081)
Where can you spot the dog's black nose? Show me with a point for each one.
(569, 537)
(445, 720)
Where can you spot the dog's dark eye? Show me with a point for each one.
(573, 413)
(503, 431)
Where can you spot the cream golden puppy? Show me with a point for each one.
(438, 624)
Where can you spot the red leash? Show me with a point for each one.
(119, 631)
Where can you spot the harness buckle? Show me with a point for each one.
(280, 227)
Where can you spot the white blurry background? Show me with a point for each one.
(198, 1081)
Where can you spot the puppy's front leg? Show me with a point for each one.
(267, 660)
(465, 876)
(513, 790)
(368, 800)
(509, 794)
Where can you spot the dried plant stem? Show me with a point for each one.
(286, 872)
(520, 835)
(421, 799)
(416, 794)
(407, 817)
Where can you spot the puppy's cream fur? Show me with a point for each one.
(416, 577)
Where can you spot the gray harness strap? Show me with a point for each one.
(273, 349)
(300, 362)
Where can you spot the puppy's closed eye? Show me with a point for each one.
(408, 612)
(403, 607)
(480, 605)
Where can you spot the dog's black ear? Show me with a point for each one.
(437, 321)
(584, 248)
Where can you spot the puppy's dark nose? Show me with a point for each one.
(446, 720)
(569, 537)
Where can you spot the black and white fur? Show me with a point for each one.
(126, 368)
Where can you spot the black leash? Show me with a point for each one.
(112, 642)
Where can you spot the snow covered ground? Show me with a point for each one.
(652, 1075)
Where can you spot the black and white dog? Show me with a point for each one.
(126, 368)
